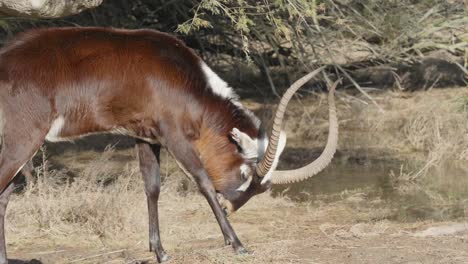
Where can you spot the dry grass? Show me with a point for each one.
(103, 209)
(86, 222)
(99, 215)
(432, 122)
(426, 124)
(90, 205)
(432, 125)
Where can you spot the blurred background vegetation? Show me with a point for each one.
(407, 44)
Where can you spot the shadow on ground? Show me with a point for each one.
(18, 261)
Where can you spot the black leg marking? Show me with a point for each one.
(187, 156)
(149, 166)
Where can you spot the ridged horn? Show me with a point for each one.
(290, 176)
(267, 161)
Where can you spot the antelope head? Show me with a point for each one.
(261, 154)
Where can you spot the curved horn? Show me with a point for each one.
(267, 161)
(290, 176)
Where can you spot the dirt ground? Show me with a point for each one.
(278, 232)
(101, 216)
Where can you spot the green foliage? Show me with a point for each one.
(274, 21)
(296, 28)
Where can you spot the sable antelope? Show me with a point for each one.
(64, 83)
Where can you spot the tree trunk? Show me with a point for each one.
(45, 8)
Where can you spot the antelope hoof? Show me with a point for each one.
(227, 242)
(163, 257)
(241, 251)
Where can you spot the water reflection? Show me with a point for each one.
(441, 194)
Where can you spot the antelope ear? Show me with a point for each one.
(247, 145)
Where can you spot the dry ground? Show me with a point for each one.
(274, 230)
(94, 210)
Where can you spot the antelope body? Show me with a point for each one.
(64, 83)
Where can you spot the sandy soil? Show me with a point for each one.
(280, 233)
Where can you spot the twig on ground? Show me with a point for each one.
(98, 255)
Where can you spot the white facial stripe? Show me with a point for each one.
(251, 148)
(245, 170)
(217, 85)
(279, 150)
(54, 132)
(247, 144)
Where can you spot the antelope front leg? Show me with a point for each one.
(207, 189)
(188, 157)
(4, 198)
(149, 166)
